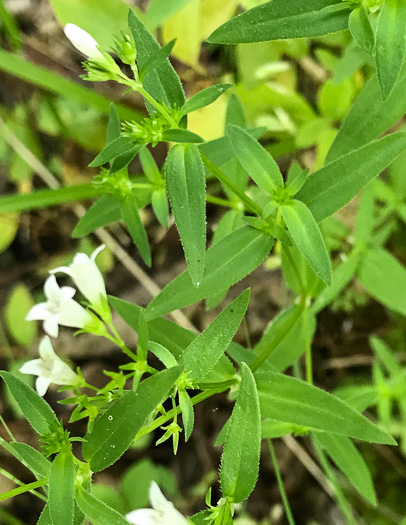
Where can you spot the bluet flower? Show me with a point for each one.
(49, 368)
(59, 309)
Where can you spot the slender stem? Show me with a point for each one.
(7, 429)
(309, 357)
(285, 501)
(296, 271)
(249, 203)
(116, 338)
(223, 202)
(25, 488)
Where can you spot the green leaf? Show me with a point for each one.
(365, 217)
(369, 117)
(122, 161)
(204, 98)
(294, 401)
(186, 186)
(390, 46)
(283, 19)
(159, 12)
(240, 459)
(385, 279)
(307, 237)
(157, 59)
(96, 511)
(271, 429)
(235, 112)
(227, 262)
(61, 489)
(44, 198)
(333, 186)
(150, 167)
(115, 430)
(257, 162)
(163, 83)
(132, 219)
(181, 135)
(30, 457)
(202, 354)
(347, 458)
(114, 125)
(160, 206)
(103, 212)
(18, 305)
(287, 337)
(37, 411)
(45, 518)
(342, 275)
(361, 30)
(188, 417)
(114, 149)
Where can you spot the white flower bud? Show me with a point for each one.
(83, 42)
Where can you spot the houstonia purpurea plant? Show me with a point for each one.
(265, 211)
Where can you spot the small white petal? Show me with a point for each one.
(39, 312)
(62, 374)
(51, 289)
(61, 269)
(46, 350)
(67, 292)
(74, 315)
(145, 517)
(33, 367)
(84, 42)
(157, 499)
(42, 384)
(97, 251)
(51, 326)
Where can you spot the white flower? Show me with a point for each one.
(162, 513)
(84, 42)
(49, 368)
(60, 309)
(88, 278)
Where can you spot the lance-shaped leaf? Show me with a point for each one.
(116, 148)
(202, 354)
(163, 82)
(122, 161)
(256, 161)
(369, 117)
(329, 189)
(97, 511)
(204, 98)
(240, 459)
(227, 262)
(361, 30)
(114, 125)
(347, 458)
(157, 59)
(294, 401)
(186, 186)
(61, 489)
(35, 409)
(160, 206)
(181, 135)
(105, 211)
(307, 237)
(283, 19)
(390, 43)
(131, 216)
(384, 277)
(115, 430)
(30, 457)
(188, 415)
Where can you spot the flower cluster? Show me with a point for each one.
(60, 309)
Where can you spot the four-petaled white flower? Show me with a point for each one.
(49, 368)
(59, 309)
(162, 513)
(88, 278)
(83, 42)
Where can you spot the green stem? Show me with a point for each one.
(116, 339)
(8, 519)
(249, 203)
(285, 501)
(7, 429)
(30, 487)
(222, 202)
